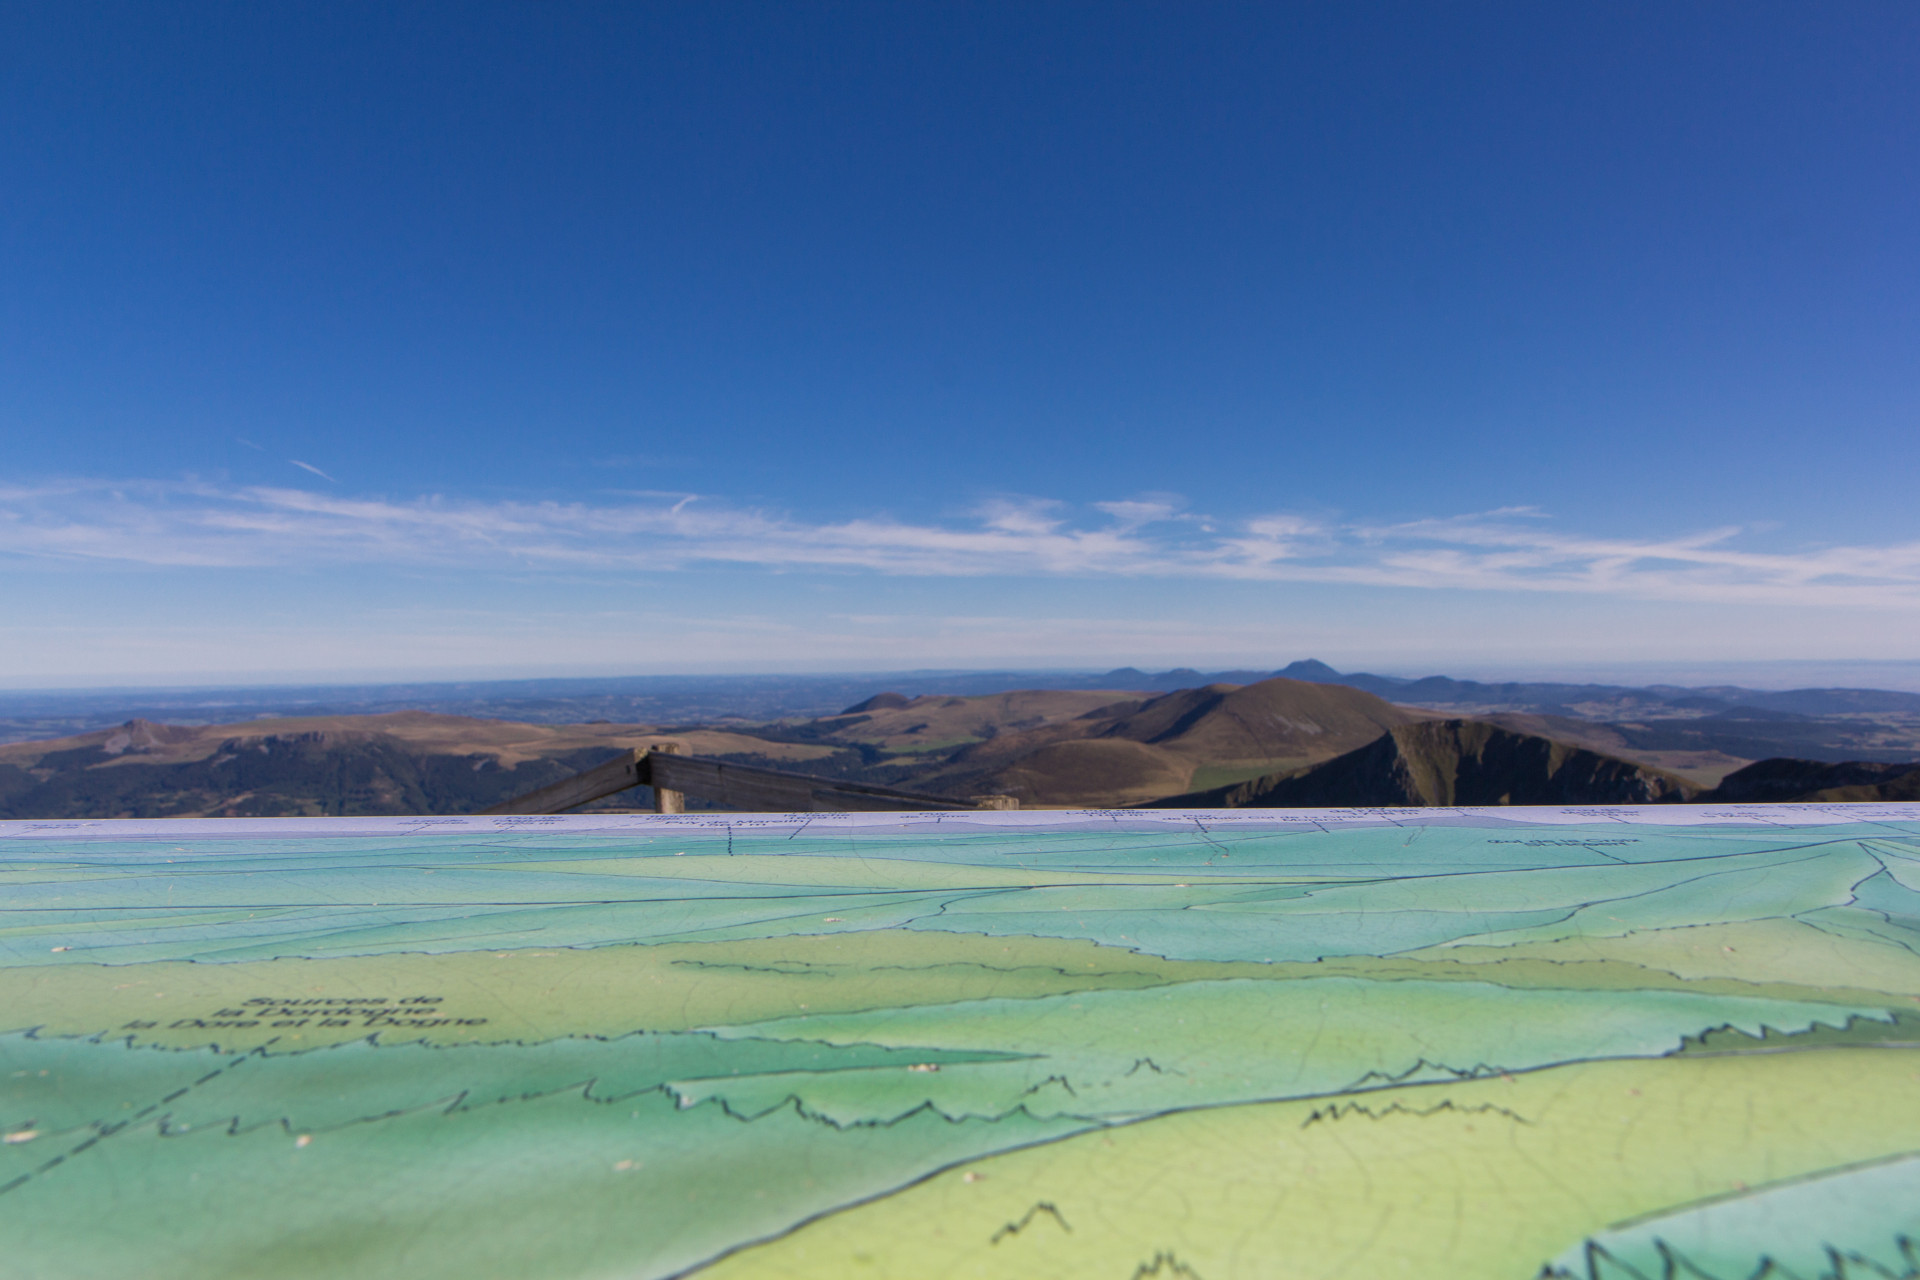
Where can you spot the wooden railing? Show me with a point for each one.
(673, 774)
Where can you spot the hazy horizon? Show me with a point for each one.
(1780, 675)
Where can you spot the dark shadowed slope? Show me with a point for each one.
(1452, 762)
(1816, 781)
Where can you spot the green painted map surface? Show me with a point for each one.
(1629, 1044)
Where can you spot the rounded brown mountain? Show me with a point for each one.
(1276, 719)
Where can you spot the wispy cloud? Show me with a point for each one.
(308, 466)
(1515, 549)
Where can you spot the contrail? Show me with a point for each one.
(308, 466)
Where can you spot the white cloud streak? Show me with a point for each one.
(191, 524)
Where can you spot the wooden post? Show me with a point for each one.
(665, 801)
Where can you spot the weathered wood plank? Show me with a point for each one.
(629, 769)
(743, 787)
(673, 774)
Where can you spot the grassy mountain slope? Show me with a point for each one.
(1272, 720)
(275, 775)
(1703, 765)
(896, 725)
(1096, 773)
(404, 762)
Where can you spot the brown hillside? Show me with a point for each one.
(1453, 762)
(878, 702)
(934, 722)
(1096, 773)
(1273, 720)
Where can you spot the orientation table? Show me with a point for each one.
(1595, 1043)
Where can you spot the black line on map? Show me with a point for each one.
(103, 1129)
(1796, 1180)
(1060, 1080)
(1027, 1220)
(1339, 1111)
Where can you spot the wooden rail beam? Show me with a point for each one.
(628, 769)
(672, 773)
(743, 787)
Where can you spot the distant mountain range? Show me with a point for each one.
(1591, 700)
(1687, 728)
(1047, 747)
(1279, 740)
(687, 700)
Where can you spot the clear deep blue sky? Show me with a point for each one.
(544, 337)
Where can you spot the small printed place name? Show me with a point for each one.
(1582, 844)
(364, 1013)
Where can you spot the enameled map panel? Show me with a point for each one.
(1641, 1042)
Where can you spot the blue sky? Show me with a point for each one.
(357, 339)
